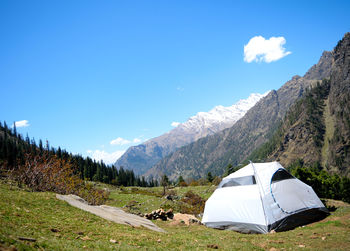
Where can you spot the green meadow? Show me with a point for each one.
(38, 221)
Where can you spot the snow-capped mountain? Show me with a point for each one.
(219, 118)
(142, 157)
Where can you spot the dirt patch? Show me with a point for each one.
(184, 219)
(335, 203)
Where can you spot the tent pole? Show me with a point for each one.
(259, 186)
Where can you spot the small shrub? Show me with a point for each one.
(194, 183)
(195, 202)
(171, 193)
(133, 207)
(48, 173)
(203, 182)
(183, 184)
(216, 181)
(134, 190)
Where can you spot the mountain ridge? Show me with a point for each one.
(230, 146)
(143, 156)
(317, 130)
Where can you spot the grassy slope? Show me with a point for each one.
(145, 202)
(33, 215)
(329, 132)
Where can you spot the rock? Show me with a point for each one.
(187, 219)
(86, 238)
(194, 221)
(109, 213)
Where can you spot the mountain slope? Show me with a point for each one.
(316, 130)
(213, 153)
(142, 157)
(301, 134)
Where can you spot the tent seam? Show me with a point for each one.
(262, 203)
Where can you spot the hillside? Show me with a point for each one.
(233, 145)
(301, 134)
(142, 157)
(17, 155)
(316, 130)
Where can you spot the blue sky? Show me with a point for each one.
(85, 73)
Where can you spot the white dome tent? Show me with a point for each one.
(261, 197)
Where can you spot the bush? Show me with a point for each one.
(171, 193)
(196, 203)
(194, 183)
(202, 182)
(216, 181)
(183, 184)
(48, 173)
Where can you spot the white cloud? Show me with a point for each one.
(108, 158)
(120, 141)
(21, 123)
(180, 89)
(175, 124)
(136, 140)
(260, 49)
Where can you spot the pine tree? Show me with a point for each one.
(210, 177)
(164, 182)
(14, 129)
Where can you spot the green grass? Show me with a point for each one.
(35, 215)
(147, 199)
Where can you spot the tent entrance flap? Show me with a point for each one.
(298, 219)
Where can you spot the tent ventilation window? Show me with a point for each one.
(240, 181)
(281, 174)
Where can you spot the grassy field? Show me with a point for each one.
(57, 226)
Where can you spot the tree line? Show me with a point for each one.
(14, 148)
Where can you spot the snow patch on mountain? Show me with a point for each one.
(142, 157)
(220, 117)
